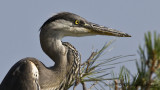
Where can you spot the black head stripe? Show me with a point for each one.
(63, 15)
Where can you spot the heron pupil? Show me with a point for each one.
(76, 22)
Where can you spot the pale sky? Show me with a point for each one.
(20, 22)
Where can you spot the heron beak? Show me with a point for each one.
(101, 30)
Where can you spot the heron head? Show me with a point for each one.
(69, 24)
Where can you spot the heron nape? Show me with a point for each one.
(31, 74)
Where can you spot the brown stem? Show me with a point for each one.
(116, 84)
(84, 86)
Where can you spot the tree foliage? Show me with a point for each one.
(147, 77)
(148, 67)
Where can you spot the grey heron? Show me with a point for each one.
(31, 74)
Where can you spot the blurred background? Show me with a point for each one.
(20, 22)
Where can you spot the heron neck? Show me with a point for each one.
(52, 46)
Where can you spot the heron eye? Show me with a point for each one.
(76, 22)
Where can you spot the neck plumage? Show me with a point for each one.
(52, 46)
(62, 55)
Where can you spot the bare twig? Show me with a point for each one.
(116, 84)
(84, 86)
(90, 58)
(93, 85)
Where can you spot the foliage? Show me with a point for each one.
(148, 67)
(95, 71)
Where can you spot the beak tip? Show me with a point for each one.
(122, 34)
(127, 35)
